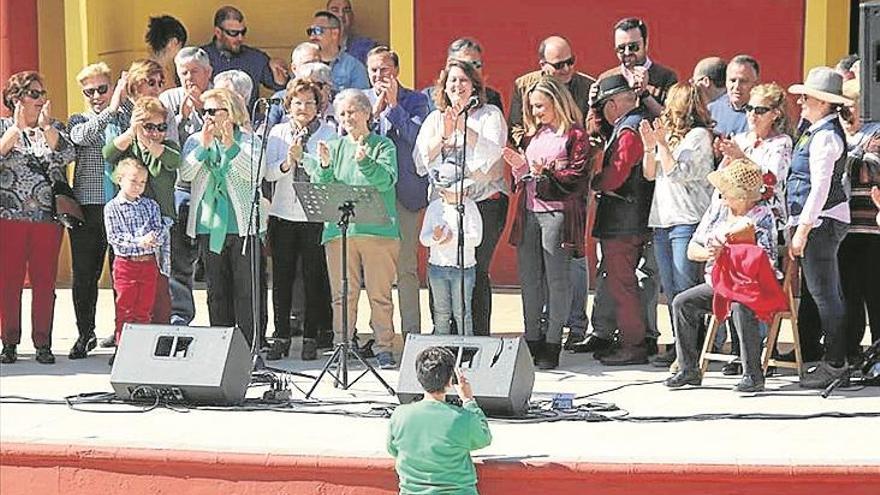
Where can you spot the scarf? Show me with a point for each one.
(215, 205)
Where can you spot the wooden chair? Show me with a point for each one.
(791, 270)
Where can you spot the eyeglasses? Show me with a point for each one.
(213, 111)
(562, 63)
(101, 90)
(151, 127)
(234, 33)
(757, 110)
(303, 103)
(155, 82)
(318, 30)
(633, 47)
(35, 94)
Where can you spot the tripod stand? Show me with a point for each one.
(318, 201)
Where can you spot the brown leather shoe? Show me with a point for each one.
(626, 356)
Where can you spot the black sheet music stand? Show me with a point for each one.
(341, 203)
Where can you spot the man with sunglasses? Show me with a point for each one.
(728, 112)
(347, 71)
(92, 188)
(556, 59)
(227, 51)
(648, 79)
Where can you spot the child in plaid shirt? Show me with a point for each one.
(137, 235)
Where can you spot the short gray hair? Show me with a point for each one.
(463, 44)
(302, 47)
(362, 103)
(318, 72)
(240, 81)
(192, 54)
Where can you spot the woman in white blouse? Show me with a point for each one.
(441, 140)
(291, 156)
(766, 143)
(678, 157)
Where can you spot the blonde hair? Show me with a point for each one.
(567, 112)
(93, 70)
(147, 106)
(126, 165)
(232, 102)
(685, 110)
(774, 94)
(141, 70)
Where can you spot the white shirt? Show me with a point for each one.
(285, 204)
(825, 148)
(441, 213)
(484, 163)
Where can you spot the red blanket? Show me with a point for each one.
(742, 273)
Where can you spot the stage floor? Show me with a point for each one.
(824, 441)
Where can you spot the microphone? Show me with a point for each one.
(472, 102)
(271, 101)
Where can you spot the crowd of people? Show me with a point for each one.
(697, 184)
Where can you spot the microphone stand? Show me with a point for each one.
(459, 208)
(253, 237)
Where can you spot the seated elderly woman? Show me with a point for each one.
(362, 158)
(738, 217)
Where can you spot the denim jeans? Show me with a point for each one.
(184, 252)
(677, 272)
(446, 289)
(821, 278)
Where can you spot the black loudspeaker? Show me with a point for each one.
(198, 365)
(500, 370)
(869, 54)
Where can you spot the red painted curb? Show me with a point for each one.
(191, 472)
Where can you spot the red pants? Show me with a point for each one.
(135, 285)
(32, 248)
(162, 303)
(621, 257)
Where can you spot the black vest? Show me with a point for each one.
(625, 210)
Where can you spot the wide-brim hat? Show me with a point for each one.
(447, 176)
(740, 179)
(610, 86)
(822, 83)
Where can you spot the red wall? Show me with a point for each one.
(680, 32)
(18, 39)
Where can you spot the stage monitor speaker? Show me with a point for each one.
(869, 54)
(181, 364)
(500, 370)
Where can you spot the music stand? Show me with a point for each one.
(337, 203)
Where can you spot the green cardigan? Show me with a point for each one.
(377, 169)
(162, 175)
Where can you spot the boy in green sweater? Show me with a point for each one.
(430, 439)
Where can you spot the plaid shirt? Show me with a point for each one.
(91, 180)
(127, 222)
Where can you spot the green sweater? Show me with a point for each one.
(162, 171)
(431, 442)
(377, 169)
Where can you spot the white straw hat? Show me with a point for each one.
(822, 83)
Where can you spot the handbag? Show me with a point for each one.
(68, 211)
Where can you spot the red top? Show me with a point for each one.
(624, 157)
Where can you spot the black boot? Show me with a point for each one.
(536, 349)
(280, 348)
(9, 354)
(549, 358)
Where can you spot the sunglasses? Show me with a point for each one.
(213, 111)
(234, 33)
(101, 90)
(757, 110)
(317, 30)
(562, 63)
(151, 127)
(35, 94)
(633, 47)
